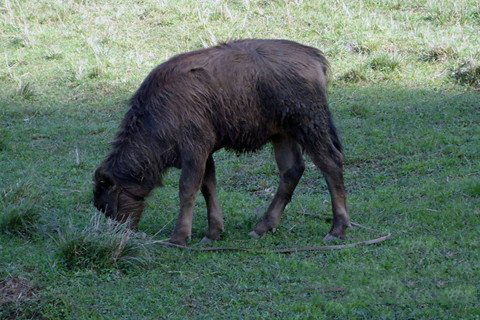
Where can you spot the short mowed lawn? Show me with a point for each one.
(404, 92)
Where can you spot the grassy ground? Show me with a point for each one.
(404, 94)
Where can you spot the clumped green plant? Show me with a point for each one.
(438, 54)
(20, 220)
(53, 55)
(468, 73)
(353, 76)
(96, 72)
(19, 215)
(21, 310)
(355, 47)
(473, 189)
(25, 90)
(103, 245)
(383, 63)
(4, 138)
(359, 111)
(18, 42)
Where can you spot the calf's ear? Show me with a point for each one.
(103, 179)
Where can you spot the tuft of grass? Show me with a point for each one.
(353, 76)
(103, 245)
(29, 309)
(95, 72)
(359, 111)
(438, 54)
(18, 42)
(355, 47)
(20, 221)
(19, 215)
(383, 63)
(473, 189)
(468, 73)
(25, 90)
(53, 55)
(4, 138)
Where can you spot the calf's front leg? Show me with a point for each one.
(191, 177)
(214, 213)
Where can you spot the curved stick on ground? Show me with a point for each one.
(289, 249)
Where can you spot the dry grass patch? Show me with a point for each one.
(102, 245)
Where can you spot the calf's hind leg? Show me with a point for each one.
(330, 161)
(214, 213)
(288, 156)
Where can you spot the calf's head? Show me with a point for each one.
(116, 201)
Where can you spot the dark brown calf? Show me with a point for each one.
(239, 96)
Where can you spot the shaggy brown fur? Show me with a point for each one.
(239, 96)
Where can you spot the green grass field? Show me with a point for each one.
(404, 94)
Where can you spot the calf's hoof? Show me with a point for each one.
(179, 241)
(206, 240)
(254, 235)
(330, 238)
(335, 234)
(262, 228)
(337, 231)
(214, 234)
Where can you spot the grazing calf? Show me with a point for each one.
(239, 96)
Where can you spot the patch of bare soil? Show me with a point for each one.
(15, 289)
(18, 298)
